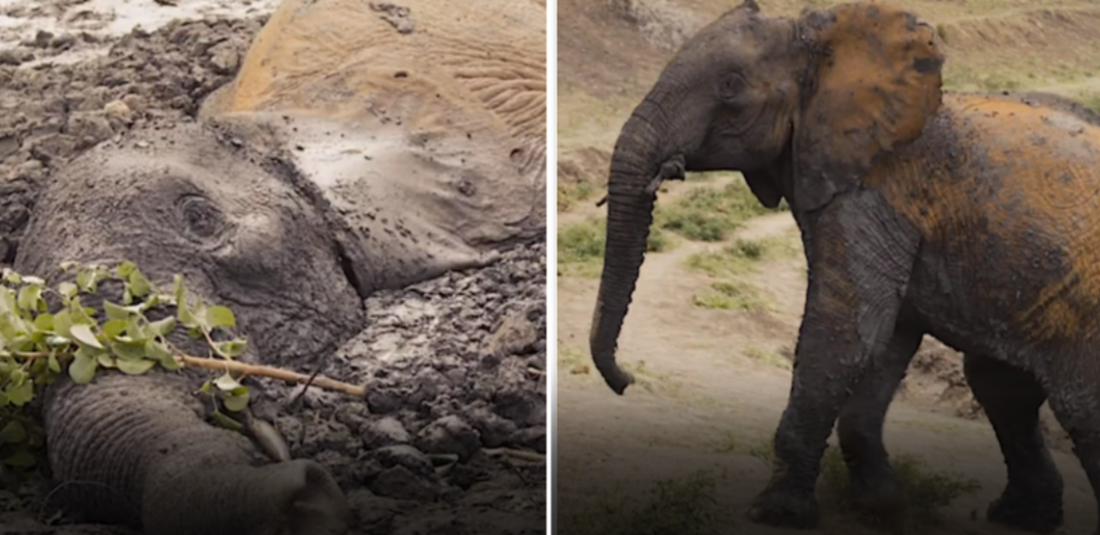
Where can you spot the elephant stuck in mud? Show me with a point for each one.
(320, 175)
(969, 217)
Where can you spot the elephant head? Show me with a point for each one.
(245, 232)
(802, 108)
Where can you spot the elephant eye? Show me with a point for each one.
(733, 85)
(200, 216)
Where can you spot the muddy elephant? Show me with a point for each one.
(338, 162)
(969, 217)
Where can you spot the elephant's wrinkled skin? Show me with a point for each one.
(972, 218)
(349, 155)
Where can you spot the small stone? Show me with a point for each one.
(9, 57)
(450, 435)
(533, 438)
(386, 431)
(224, 58)
(89, 128)
(53, 148)
(118, 110)
(494, 430)
(63, 42)
(398, 482)
(407, 456)
(42, 39)
(135, 102)
(515, 334)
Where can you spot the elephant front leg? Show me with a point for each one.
(860, 257)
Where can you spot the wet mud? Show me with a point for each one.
(454, 367)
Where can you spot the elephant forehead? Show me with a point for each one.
(437, 59)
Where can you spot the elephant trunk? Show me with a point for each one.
(639, 153)
(134, 450)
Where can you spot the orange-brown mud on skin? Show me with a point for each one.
(1033, 187)
(888, 93)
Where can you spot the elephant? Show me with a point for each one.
(338, 162)
(966, 216)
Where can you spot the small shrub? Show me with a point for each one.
(730, 296)
(580, 248)
(573, 193)
(682, 507)
(768, 357)
(709, 213)
(739, 257)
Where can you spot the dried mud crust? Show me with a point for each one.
(454, 366)
(51, 113)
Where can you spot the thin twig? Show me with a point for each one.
(246, 369)
(522, 455)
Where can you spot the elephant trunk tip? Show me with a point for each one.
(615, 377)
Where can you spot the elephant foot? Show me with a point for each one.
(1027, 511)
(784, 508)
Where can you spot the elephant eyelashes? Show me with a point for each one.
(200, 216)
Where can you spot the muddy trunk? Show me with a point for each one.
(629, 214)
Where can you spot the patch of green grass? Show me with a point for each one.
(768, 357)
(581, 247)
(740, 256)
(709, 213)
(1090, 100)
(927, 491)
(573, 193)
(674, 506)
(730, 296)
(569, 356)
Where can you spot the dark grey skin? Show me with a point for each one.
(137, 449)
(920, 212)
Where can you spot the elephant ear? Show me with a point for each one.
(874, 80)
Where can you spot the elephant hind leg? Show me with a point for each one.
(875, 488)
(1011, 398)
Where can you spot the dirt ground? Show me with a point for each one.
(454, 366)
(714, 382)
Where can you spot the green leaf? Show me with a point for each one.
(83, 334)
(226, 382)
(31, 279)
(183, 312)
(124, 269)
(115, 327)
(83, 368)
(29, 296)
(114, 311)
(44, 322)
(237, 400)
(85, 280)
(55, 366)
(12, 433)
(222, 420)
(231, 349)
(106, 360)
(158, 352)
(163, 327)
(129, 350)
(135, 367)
(22, 394)
(67, 290)
(62, 323)
(219, 316)
(139, 285)
(11, 277)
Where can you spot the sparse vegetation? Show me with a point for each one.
(771, 358)
(926, 491)
(572, 193)
(682, 506)
(730, 296)
(740, 256)
(709, 213)
(581, 246)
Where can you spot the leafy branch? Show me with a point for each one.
(38, 344)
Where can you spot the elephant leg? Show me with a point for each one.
(860, 257)
(1011, 398)
(134, 450)
(876, 488)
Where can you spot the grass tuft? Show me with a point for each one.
(709, 213)
(581, 247)
(730, 296)
(685, 507)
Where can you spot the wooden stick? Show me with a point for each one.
(245, 369)
(518, 454)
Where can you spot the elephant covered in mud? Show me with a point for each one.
(339, 162)
(969, 217)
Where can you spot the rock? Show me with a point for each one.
(385, 431)
(41, 39)
(533, 438)
(89, 128)
(398, 482)
(52, 149)
(494, 430)
(224, 58)
(404, 455)
(118, 110)
(515, 335)
(9, 145)
(9, 57)
(374, 513)
(136, 103)
(450, 435)
(63, 42)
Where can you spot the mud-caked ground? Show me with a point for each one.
(454, 367)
